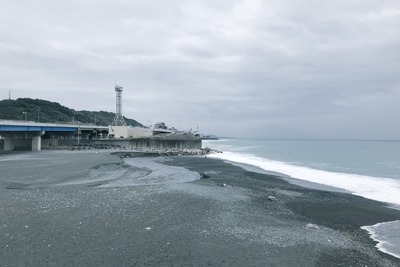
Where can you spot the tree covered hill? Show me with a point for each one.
(52, 112)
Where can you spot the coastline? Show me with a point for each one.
(57, 213)
(299, 182)
(383, 246)
(328, 206)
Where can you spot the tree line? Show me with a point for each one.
(38, 110)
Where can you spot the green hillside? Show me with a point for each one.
(52, 112)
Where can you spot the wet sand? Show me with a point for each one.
(89, 208)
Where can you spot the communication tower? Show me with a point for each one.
(118, 119)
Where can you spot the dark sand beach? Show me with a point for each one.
(91, 208)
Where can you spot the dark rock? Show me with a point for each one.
(203, 175)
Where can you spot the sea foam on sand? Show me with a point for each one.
(387, 235)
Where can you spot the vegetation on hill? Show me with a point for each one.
(52, 112)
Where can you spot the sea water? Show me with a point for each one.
(370, 169)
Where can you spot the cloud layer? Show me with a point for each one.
(268, 69)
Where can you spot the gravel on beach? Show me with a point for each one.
(91, 208)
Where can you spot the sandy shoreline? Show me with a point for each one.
(90, 208)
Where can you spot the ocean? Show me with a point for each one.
(370, 169)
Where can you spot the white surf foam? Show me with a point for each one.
(384, 189)
(387, 235)
(376, 188)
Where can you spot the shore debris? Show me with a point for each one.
(223, 185)
(130, 152)
(312, 226)
(94, 147)
(272, 198)
(140, 152)
(203, 175)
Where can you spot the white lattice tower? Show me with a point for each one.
(118, 119)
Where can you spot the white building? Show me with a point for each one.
(128, 132)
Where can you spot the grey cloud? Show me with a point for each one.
(306, 69)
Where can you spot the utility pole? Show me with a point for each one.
(79, 132)
(38, 114)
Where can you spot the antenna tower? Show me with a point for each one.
(118, 119)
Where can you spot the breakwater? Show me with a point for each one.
(134, 143)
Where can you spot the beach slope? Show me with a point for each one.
(91, 208)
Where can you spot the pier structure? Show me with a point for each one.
(21, 135)
(17, 134)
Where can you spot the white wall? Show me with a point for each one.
(129, 132)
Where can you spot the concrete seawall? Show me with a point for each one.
(22, 144)
(158, 143)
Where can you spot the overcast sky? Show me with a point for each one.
(256, 68)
